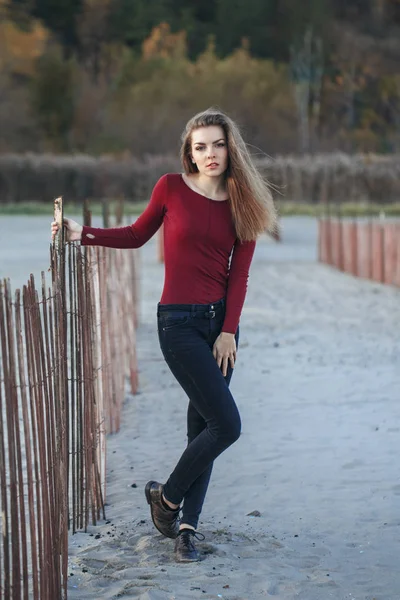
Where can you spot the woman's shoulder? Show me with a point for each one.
(170, 178)
(165, 185)
(170, 184)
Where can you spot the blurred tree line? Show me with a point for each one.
(114, 75)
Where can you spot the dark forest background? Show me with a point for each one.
(123, 76)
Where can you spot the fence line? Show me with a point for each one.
(66, 353)
(369, 249)
(305, 178)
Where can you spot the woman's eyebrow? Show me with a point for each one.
(203, 143)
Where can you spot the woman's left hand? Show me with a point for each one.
(224, 350)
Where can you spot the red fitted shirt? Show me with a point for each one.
(199, 240)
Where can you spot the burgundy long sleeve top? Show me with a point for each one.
(204, 260)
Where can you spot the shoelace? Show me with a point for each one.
(199, 536)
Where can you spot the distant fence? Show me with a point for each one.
(66, 354)
(369, 249)
(307, 178)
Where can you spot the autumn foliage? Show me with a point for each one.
(95, 86)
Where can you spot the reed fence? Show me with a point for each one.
(67, 352)
(369, 248)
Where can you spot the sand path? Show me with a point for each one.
(318, 386)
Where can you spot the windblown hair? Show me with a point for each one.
(250, 197)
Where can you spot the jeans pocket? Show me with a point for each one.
(168, 323)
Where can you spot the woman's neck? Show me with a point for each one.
(212, 187)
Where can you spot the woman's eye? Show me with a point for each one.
(221, 145)
(198, 149)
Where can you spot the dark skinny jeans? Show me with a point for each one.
(187, 333)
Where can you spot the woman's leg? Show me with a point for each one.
(195, 496)
(190, 359)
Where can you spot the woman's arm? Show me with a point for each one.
(132, 236)
(237, 284)
(137, 234)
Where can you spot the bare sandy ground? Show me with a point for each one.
(318, 385)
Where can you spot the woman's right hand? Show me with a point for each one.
(73, 230)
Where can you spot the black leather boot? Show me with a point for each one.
(166, 520)
(185, 549)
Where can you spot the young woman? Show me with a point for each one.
(212, 214)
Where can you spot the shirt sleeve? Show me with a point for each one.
(137, 234)
(237, 283)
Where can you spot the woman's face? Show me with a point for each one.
(209, 150)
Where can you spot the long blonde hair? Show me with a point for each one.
(250, 197)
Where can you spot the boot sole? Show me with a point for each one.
(147, 491)
(187, 560)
